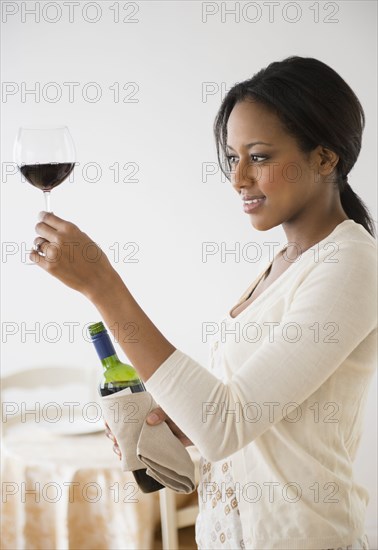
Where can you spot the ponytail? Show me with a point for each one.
(355, 208)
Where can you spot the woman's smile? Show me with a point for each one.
(252, 205)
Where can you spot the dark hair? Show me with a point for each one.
(317, 107)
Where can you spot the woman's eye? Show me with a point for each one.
(231, 159)
(258, 157)
(255, 158)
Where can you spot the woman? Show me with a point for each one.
(277, 418)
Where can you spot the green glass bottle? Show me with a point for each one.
(118, 376)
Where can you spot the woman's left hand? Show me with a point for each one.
(70, 255)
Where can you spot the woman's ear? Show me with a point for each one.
(327, 160)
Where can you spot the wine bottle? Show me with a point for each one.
(116, 377)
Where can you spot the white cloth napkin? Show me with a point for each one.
(143, 446)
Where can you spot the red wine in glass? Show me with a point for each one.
(47, 176)
(45, 157)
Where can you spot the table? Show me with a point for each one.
(68, 492)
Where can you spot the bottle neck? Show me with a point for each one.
(110, 362)
(114, 369)
(104, 348)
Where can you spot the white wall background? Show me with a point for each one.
(169, 50)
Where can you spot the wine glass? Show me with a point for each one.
(45, 157)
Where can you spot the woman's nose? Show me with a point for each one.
(242, 175)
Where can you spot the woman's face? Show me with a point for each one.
(287, 179)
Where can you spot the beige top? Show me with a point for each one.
(218, 525)
(298, 363)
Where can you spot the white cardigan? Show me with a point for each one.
(299, 360)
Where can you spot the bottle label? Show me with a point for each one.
(118, 394)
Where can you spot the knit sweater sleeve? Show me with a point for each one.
(340, 295)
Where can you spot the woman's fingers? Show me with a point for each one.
(46, 231)
(53, 221)
(51, 252)
(111, 436)
(117, 450)
(44, 248)
(35, 256)
(156, 416)
(56, 232)
(38, 241)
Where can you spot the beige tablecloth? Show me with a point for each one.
(68, 492)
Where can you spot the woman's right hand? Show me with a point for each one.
(156, 416)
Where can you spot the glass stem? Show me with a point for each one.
(47, 201)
